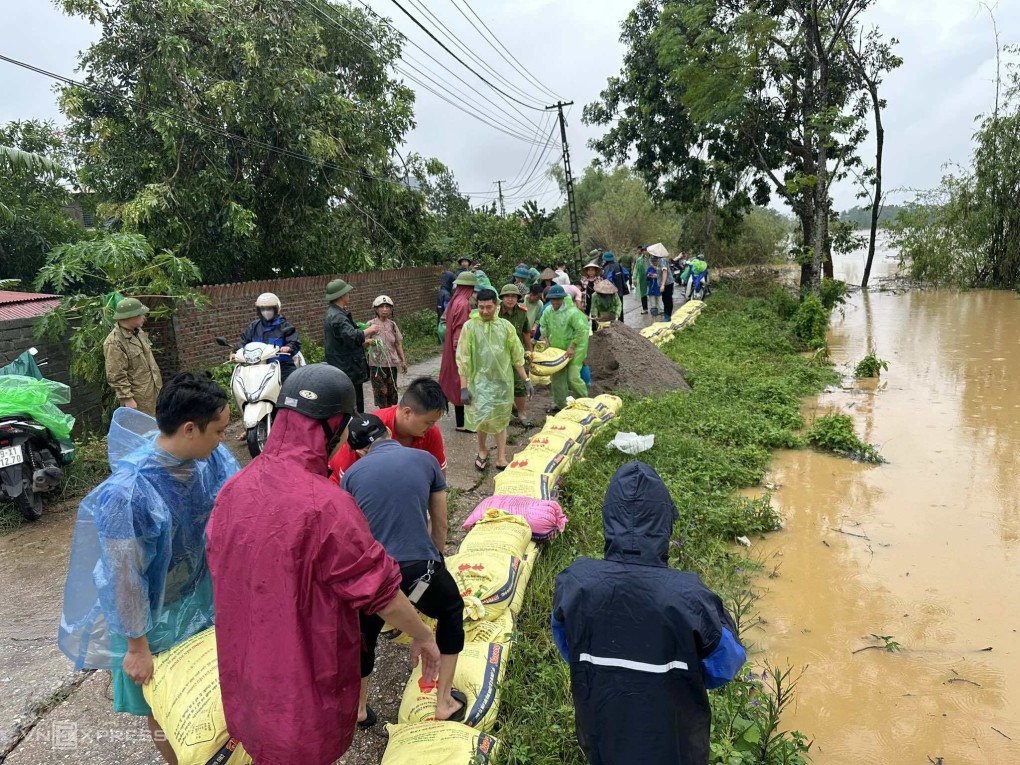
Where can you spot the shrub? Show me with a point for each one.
(811, 322)
(870, 366)
(835, 433)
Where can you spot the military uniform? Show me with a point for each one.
(131, 369)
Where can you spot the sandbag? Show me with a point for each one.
(572, 430)
(498, 531)
(553, 443)
(548, 361)
(538, 461)
(613, 403)
(480, 669)
(522, 483)
(499, 630)
(527, 569)
(601, 411)
(545, 517)
(486, 580)
(652, 330)
(185, 698)
(438, 743)
(587, 420)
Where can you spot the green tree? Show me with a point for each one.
(253, 139)
(35, 174)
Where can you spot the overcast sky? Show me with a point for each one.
(572, 47)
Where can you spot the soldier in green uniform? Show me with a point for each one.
(131, 369)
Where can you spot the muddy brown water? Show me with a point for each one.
(925, 549)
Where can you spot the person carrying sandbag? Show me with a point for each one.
(402, 493)
(564, 326)
(291, 570)
(644, 641)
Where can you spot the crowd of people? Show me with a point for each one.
(340, 525)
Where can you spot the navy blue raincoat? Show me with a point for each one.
(644, 641)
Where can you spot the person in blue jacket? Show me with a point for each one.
(644, 641)
(272, 328)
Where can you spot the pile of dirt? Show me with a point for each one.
(622, 360)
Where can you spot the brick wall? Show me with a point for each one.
(17, 336)
(186, 342)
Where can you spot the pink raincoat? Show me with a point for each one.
(457, 313)
(292, 562)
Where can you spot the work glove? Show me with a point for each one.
(466, 398)
(530, 388)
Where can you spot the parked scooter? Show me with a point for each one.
(256, 385)
(31, 456)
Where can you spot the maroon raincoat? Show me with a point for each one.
(292, 562)
(457, 313)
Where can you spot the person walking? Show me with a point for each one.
(489, 353)
(131, 369)
(457, 314)
(385, 353)
(138, 578)
(345, 341)
(273, 329)
(511, 310)
(565, 327)
(639, 278)
(613, 272)
(667, 283)
(292, 568)
(402, 493)
(640, 684)
(533, 304)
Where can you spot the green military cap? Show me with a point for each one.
(466, 279)
(128, 308)
(337, 289)
(510, 289)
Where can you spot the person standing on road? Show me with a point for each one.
(639, 278)
(138, 580)
(640, 684)
(402, 493)
(613, 272)
(291, 571)
(273, 329)
(385, 353)
(131, 369)
(565, 327)
(511, 310)
(457, 314)
(345, 341)
(488, 354)
(666, 284)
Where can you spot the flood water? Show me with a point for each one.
(924, 550)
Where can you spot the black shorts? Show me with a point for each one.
(441, 601)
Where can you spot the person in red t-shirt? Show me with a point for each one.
(412, 422)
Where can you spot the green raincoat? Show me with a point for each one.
(563, 328)
(610, 304)
(487, 354)
(640, 275)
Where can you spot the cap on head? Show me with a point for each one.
(521, 273)
(556, 292)
(608, 257)
(382, 300)
(268, 300)
(337, 289)
(318, 391)
(466, 279)
(128, 308)
(509, 289)
(364, 430)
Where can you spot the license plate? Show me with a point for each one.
(11, 455)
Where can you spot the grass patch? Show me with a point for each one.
(744, 360)
(421, 341)
(871, 366)
(835, 433)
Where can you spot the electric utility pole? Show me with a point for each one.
(575, 226)
(502, 210)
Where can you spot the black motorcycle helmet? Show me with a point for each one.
(318, 391)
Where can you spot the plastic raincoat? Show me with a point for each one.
(640, 274)
(138, 564)
(610, 304)
(37, 399)
(563, 328)
(457, 314)
(487, 355)
(291, 569)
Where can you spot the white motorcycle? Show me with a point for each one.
(256, 385)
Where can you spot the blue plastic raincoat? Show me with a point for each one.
(487, 354)
(138, 564)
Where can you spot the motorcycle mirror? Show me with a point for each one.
(33, 351)
(222, 341)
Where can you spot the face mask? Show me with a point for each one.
(268, 313)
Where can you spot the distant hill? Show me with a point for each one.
(861, 216)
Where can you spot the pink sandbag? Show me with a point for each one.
(545, 516)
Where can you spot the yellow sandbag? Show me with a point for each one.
(552, 443)
(538, 461)
(523, 483)
(548, 361)
(486, 580)
(571, 430)
(527, 569)
(480, 669)
(587, 420)
(438, 743)
(590, 405)
(543, 381)
(498, 531)
(613, 403)
(499, 630)
(655, 329)
(185, 698)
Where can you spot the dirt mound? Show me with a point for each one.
(620, 359)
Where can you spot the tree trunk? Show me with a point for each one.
(876, 203)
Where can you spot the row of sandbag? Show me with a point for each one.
(492, 569)
(663, 331)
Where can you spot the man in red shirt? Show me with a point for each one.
(412, 423)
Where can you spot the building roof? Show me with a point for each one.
(25, 305)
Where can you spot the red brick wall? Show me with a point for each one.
(186, 342)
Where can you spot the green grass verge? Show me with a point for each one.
(749, 374)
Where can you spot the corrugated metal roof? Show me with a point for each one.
(25, 305)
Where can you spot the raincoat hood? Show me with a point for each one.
(446, 280)
(298, 439)
(638, 516)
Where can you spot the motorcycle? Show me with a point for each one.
(256, 385)
(31, 456)
(697, 286)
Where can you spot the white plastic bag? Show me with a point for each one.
(632, 443)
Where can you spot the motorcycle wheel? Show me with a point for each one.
(29, 504)
(257, 436)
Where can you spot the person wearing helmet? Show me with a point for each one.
(272, 328)
(131, 369)
(385, 353)
(291, 570)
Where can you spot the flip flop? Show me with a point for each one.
(371, 719)
(481, 463)
(459, 715)
(500, 468)
(526, 424)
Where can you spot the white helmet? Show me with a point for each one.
(268, 300)
(382, 300)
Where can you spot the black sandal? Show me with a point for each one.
(481, 463)
(371, 718)
(459, 715)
